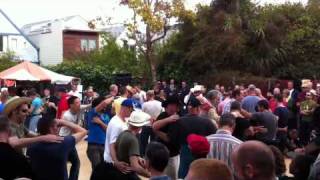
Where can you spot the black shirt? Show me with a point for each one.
(241, 126)
(174, 149)
(190, 124)
(13, 164)
(283, 115)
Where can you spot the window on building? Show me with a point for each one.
(88, 44)
(84, 45)
(1, 43)
(92, 45)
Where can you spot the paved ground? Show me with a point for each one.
(85, 168)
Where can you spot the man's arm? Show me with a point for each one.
(163, 122)
(121, 166)
(104, 103)
(78, 132)
(98, 121)
(17, 143)
(136, 167)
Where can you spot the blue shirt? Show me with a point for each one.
(249, 103)
(36, 103)
(96, 133)
(2, 105)
(49, 160)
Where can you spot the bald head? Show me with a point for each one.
(254, 160)
(207, 169)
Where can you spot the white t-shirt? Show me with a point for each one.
(115, 127)
(68, 116)
(142, 96)
(153, 108)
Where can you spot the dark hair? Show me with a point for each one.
(158, 156)
(278, 97)
(236, 93)
(4, 123)
(263, 103)
(44, 124)
(227, 119)
(235, 105)
(97, 101)
(279, 160)
(71, 100)
(122, 90)
(300, 166)
(32, 92)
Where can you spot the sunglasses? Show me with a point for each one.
(24, 110)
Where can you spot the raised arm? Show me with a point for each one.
(78, 132)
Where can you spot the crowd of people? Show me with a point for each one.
(168, 132)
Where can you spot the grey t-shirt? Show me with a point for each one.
(127, 145)
(249, 103)
(269, 121)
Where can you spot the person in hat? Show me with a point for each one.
(198, 145)
(116, 126)
(192, 123)
(224, 139)
(127, 151)
(17, 110)
(161, 127)
(126, 92)
(13, 164)
(49, 160)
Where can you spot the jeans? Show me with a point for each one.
(95, 154)
(75, 164)
(106, 171)
(145, 134)
(33, 126)
(186, 159)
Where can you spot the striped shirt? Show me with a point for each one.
(222, 144)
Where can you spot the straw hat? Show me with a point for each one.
(14, 102)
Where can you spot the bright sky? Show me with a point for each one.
(28, 11)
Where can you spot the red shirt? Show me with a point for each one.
(62, 105)
(272, 104)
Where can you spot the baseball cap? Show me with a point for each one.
(198, 145)
(128, 102)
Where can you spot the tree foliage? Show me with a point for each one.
(281, 41)
(98, 68)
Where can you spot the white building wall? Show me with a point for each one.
(21, 48)
(51, 45)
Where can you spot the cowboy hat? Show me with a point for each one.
(138, 118)
(14, 102)
(197, 88)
